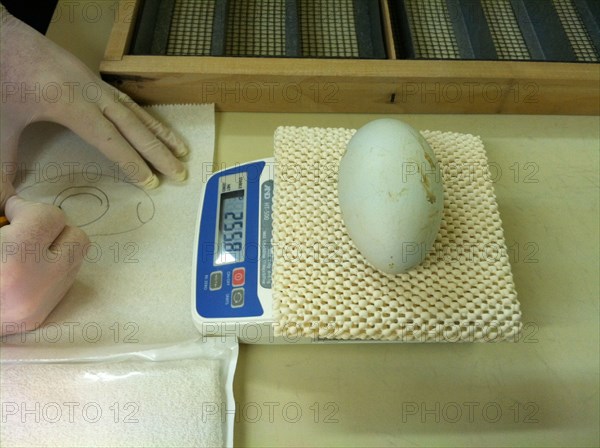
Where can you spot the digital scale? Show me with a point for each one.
(233, 263)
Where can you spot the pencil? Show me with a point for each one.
(3, 221)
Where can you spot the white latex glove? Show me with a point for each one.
(41, 256)
(43, 82)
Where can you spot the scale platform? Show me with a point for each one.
(274, 262)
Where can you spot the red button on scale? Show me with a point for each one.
(238, 277)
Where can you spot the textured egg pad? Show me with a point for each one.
(324, 288)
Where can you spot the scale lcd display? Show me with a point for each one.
(232, 228)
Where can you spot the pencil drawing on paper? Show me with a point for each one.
(101, 206)
(99, 198)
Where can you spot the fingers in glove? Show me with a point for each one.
(168, 137)
(6, 192)
(33, 222)
(145, 141)
(41, 257)
(63, 260)
(41, 231)
(69, 249)
(99, 131)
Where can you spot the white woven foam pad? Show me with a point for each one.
(323, 287)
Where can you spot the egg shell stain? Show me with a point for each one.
(431, 198)
(429, 159)
(397, 195)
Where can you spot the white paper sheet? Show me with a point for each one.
(135, 284)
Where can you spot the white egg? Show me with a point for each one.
(391, 194)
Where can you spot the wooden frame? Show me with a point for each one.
(335, 85)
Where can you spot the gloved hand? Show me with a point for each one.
(43, 82)
(41, 256)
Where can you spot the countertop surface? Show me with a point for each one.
(542, 390)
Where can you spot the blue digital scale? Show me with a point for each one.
(231, 287)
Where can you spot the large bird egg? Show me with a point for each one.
(391, 195)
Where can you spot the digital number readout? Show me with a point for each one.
(232, 228)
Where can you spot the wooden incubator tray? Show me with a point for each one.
(388, 56)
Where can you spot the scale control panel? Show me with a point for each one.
(233, 251)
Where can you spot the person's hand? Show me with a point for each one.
(41, 256)
(43, 82)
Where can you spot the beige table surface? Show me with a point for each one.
(540, 391)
